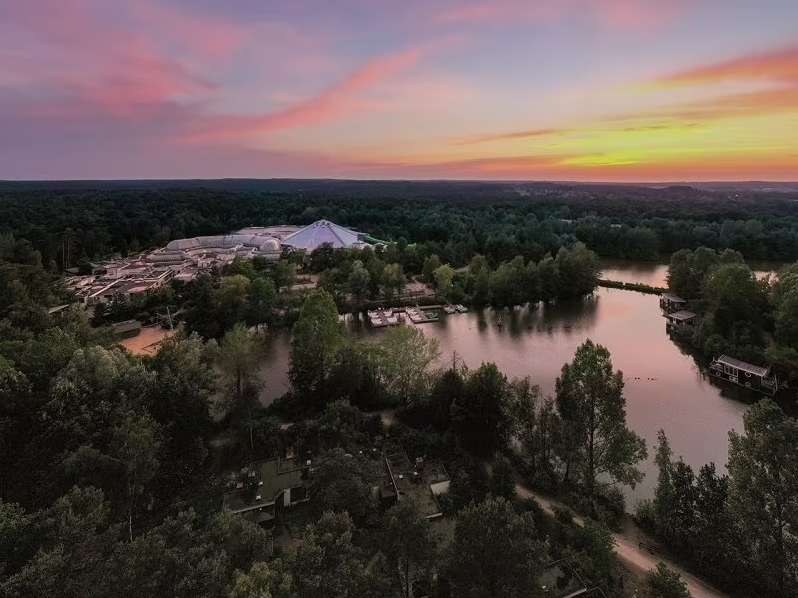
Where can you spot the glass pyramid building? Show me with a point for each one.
(324, 231)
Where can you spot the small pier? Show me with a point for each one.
(382, 318)
(422, 316)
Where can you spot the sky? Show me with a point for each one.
(577, 90)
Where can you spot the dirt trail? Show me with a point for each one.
(630, 551)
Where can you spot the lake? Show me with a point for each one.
(665, 387)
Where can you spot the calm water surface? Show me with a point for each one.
(665, 387)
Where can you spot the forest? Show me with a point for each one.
(113, 466)
(455, 221)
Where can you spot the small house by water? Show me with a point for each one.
(677, 319)
(670, 303)
(755, 377)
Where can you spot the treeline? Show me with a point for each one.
(739, 529)
(752, 319)
(453, 221)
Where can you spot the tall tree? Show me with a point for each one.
(325, 562)
(431, 264)
(593, 410)
(261, 301)
(763, 492)
(135, 446)
(358, 283)
(240, 353)
(443, 280)
(408, 542)
(482, 416)
(496, 552)
(405, 358)
(316, 340)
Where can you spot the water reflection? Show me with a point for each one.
(666, 385)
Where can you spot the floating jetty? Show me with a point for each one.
(420, 316)
(382, 318)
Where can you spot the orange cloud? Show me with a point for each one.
(330, 102)
(511, 135)
(777, 66)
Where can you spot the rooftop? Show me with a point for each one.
(423, 481)
(264, 484)
(673, 298)
(321, 232)
(742, 365)
(682, 316)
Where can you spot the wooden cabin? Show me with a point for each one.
(745, 374)
(678, 319)
(670, 303)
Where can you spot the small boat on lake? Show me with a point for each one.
(449, 309)
(461, 308)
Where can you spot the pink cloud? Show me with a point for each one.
(524, 134)
(78, 54)
(330, 102)
(779, 65)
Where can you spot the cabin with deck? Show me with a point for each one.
(678, 319)
(670, 303)
(750, 376)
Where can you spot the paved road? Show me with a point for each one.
(630, 551)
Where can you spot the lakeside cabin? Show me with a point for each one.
(670, 303)
(677, 319)
(750, 376)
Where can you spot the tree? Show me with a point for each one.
(443, 280)
(496, 552)
(404, 360)
(180, 402)
(325, 563)
(135, 447)
(264, 580)
(342, 482)
(408, 542)
(763, 492)
(481, 294)
(358, 283)
(502, 479)
(446, 390)
(732, 294)
(239, 358)
(481, 417)
(667, 584)
(261, 301)
(593, 410)
(393, 280)
(317, 336)
(284, 274)
(578, 269)
(431, 264)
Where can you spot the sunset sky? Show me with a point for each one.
(601, 90)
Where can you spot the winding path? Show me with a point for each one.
(630, 551)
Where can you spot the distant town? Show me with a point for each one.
(185, 259)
